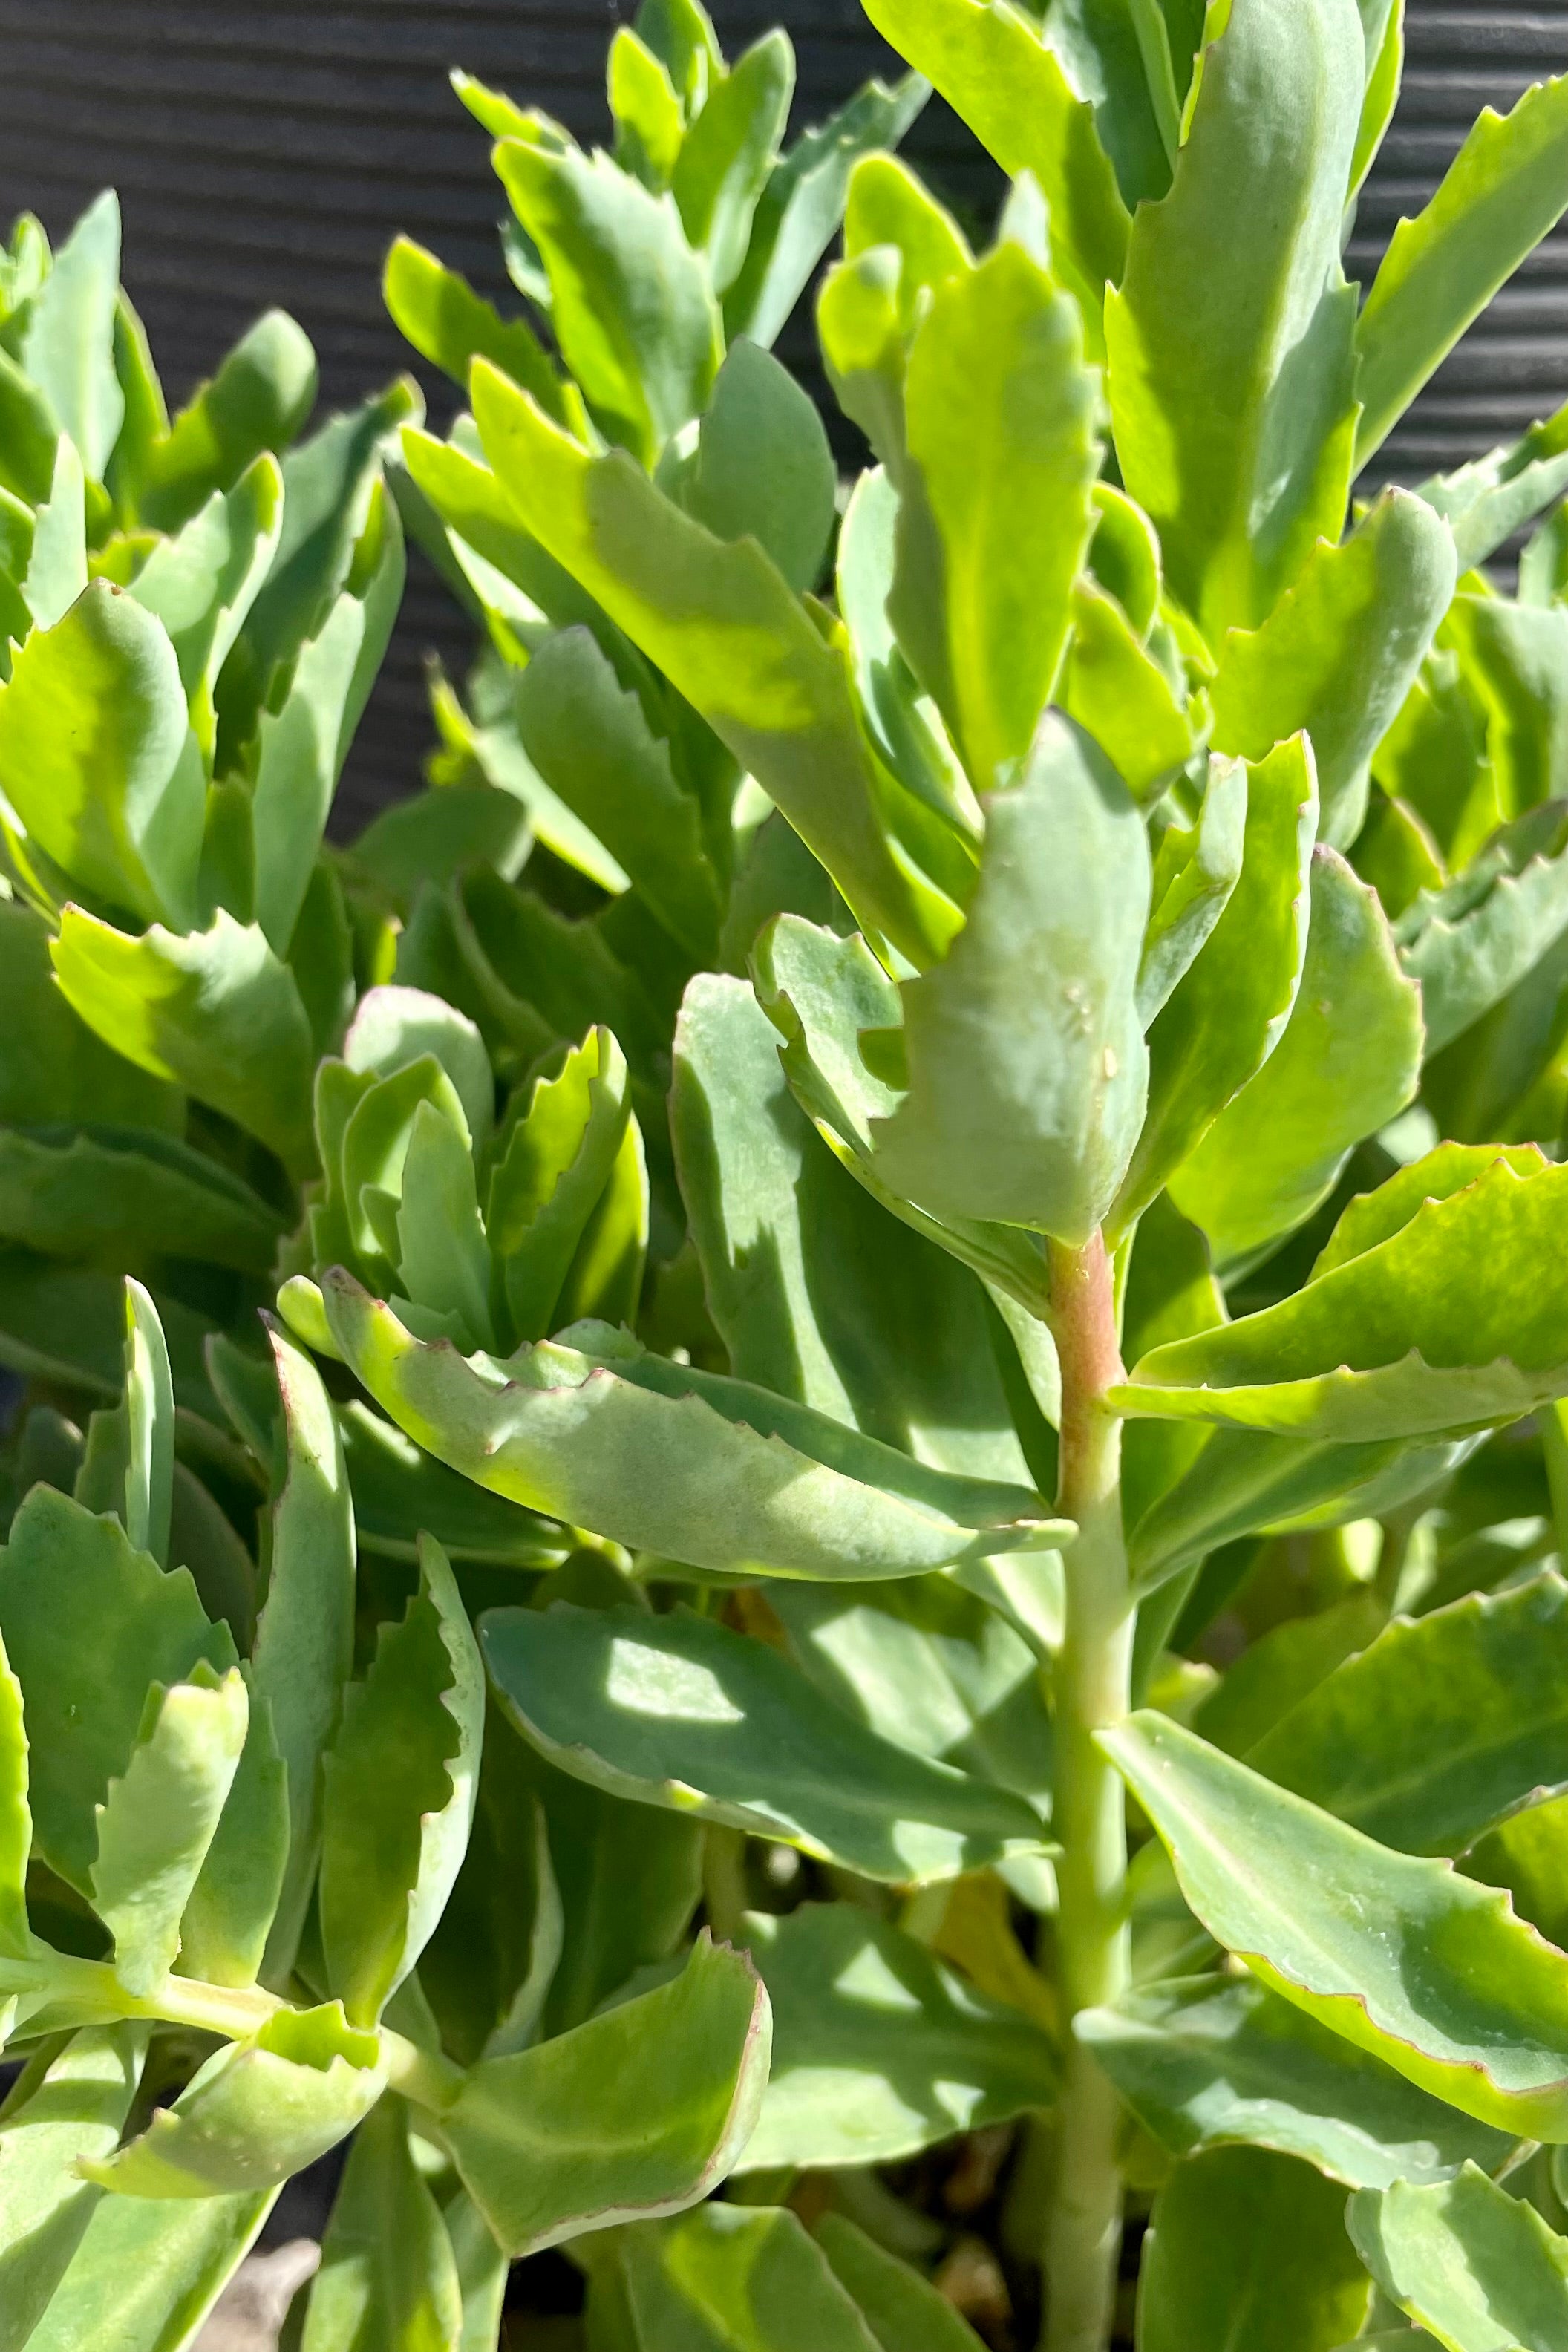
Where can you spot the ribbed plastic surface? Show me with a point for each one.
(270, 154)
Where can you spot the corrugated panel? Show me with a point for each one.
(268, 154)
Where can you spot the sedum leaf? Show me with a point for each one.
(902, 2310)
(996, 72)
(631, 305)
(1231, 368)
(727, 2278)
(201, 582)
(450, 325)
(110, 1195)
(16, 1819)
(1487, 500)
(730, 154)
(54, 1072)
(388, 2275)
(679, 1711)
(878, 2049)
(401, 1780)
(1440, 1728)
(98, 760)
(674, 1461)
(148, 2273)
(1394, 1342)
(158, 1818)
(988, 550)
(1249, 2246)
(672, 2081)
(1340, 652)
(762, 465)
(1421, 1968)
(1348, 1063)
(68, 2103)
(1471, 944)
(258, 399)
(214, 1011)
(1204, 2062)
(304, 1636)
(1025, 1059)
(1473, 2265)
(1506, 188)
(1228, 1010)
(68, 341)
(256, 2111)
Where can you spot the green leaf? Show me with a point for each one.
(29, 435)
(878, 2049)
(735, 2279)
(388, 2275)
(1226, 1013)
(158, 1818)
(672, 2081)
(214, 1012)
(1114, 687)
(592, 744)
(802, 202)
(650, 121)
(1250, 2246)
(395, 1027)
(1442, 1727)
(1340, 652)
(400, 1787)
(16, 1819)
(1025, 1059)
(201, 582)
(680, 34)
(1348, 1061)
(679, 1711)
(305, 740)
(1196, 868)
(1397, 1342)
(98, 760)
(147, 2274)
(817, 1293)
(55, 572)
(674, 1461)
(725, 628)
(67, 2103)
(902, 2310)
(53, 1070)
(1487, 500)
(89, 1625)
(1504, 191)
(304, 1636)
(1421, 1968)
(931, 1667)
(443, 1258)
(68, 344)
(988, 552)
(255, 2112)
(451, 326)
(762, 465)
(1471, 944)
(258, 399)
(1473, 2265)
(992, 67)
(227, 1923)
(1510, 661)
(631, 307)
(730, 154)
(1204, 2062)
(1230, 341)
(108, 1194)
(549, 1179)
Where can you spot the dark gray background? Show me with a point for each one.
(270, 154)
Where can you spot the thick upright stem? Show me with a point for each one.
(1084, 2227)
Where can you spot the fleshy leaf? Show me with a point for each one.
(1348, 1063)
(679, 1711)
(1443, 1326)
(730, 152)
(401, 1780)
(674, 1461)
(1026, 1058)
(1203, 2061)
(68, 2103)
(1503, 192)
(878, 2049)
(672, 2081)
(154, 2268)
(1470, 2262)
(214, 1012)
(1248, 2245)
(737, 2279)
(388, 2275)
(67, 341)
(256, 2111)
(1471, 944)
(902, 2309)
(1421, 1968)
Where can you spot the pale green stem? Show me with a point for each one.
(1083, 2230)
(96, 1995)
